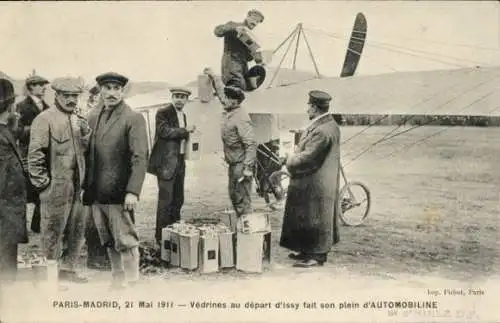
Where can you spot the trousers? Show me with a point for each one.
(63, 219)
(8, 261)
(239, 192)
(97, 255)
(170, 199)
(233, 72)
(117, 233)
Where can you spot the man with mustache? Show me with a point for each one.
(56, 164)
(236, 54)
(167, 159)
(117, 162)
(28, 109)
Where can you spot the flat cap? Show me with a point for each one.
(319, 97)
(36, 79)
(111, 77)
(67, 85)
(180, 90)
(234, 93)
(256, 13)
(6, 90)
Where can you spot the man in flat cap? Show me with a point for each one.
(117, 163)
(237, 55)
(56, 164)
(240, 147)
(167, 161)
(13, 189)
(310, 223)
(28, 109)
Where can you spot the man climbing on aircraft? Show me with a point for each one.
(237, 53)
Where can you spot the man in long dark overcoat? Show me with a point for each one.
(167, 161)
(13, 179)
(117, 163)
(237, 55)
(28, 110)
(310, 224)
(56, 164)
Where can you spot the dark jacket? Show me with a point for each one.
(310, 222)
(117, 156)
(13, 179)
(166, 148)
(28, 111)
(236, 55)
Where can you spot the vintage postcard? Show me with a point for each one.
(249, 161)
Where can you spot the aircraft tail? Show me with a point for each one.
(355, 47)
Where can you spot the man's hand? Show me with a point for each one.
(191, 128)
(247, 174)
(130, 202)
(84, 126)
(240, 30)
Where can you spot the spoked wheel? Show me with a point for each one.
(354, 203)
(278, 187)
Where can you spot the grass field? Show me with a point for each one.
(454, 175)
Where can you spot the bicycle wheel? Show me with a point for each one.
(352, 198)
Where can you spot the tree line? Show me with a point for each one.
(417, 120)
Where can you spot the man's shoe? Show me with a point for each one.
(116, 285)
(72, 276)
(308, 263)
(297, 256)
(99, 266)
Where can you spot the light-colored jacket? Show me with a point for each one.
(57, 151)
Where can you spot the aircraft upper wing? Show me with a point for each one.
(444, 92)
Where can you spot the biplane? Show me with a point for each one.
(406, 96)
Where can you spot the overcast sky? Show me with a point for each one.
(173, 41)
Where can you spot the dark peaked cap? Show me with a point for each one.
(111, 77)
(319, 97)
(6, 91)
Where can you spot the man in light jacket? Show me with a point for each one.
(56, 164)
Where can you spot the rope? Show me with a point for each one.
(425, 52)
(384, 46)
(442, 130)
(386, 138)
(408, 117)
(477, 47)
